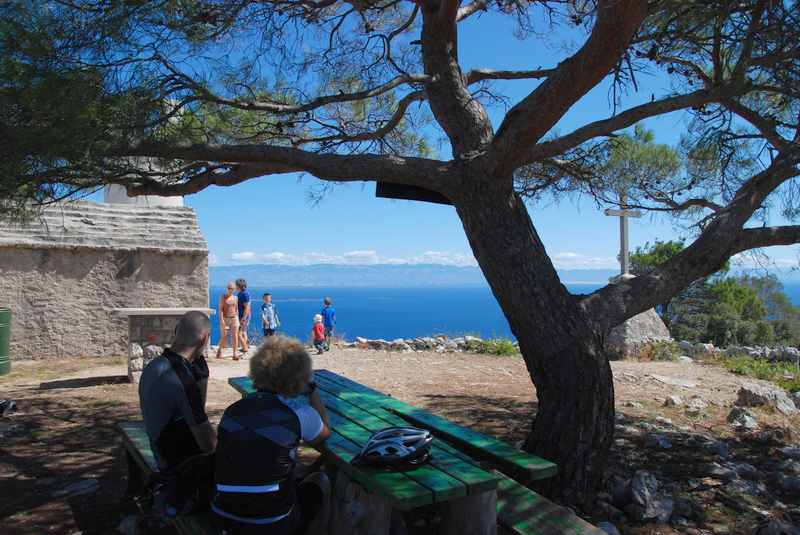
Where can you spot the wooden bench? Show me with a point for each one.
(142, 469)
(356, 410)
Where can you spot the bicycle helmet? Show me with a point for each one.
(395, 446)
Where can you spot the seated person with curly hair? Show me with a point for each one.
(256, 489)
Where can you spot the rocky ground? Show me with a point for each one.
(678, 465)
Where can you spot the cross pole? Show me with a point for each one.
(623, 213)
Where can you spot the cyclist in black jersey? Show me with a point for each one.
(172, 392)
(255, 486)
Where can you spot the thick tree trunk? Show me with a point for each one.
(575, 417)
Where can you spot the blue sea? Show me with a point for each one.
(390, 313)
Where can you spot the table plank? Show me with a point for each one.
(344, 444)
(243, 385)
(445, 457)
(441, 486)
(522, 466)
(444, 485)
(399, 490)
(134, 433)
(525, 511)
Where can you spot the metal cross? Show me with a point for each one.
(623, 213)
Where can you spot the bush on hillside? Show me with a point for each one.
(660, 351)
(494, 346)
(784, 374)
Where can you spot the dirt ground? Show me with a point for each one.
(61, 469)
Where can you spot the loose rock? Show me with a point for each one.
(789, 483)
(776, 527)
(789, 466)
(651, 504)
(753, 395)
(149, 353)
(742, 418)
(136, 351)
(654, 440)
(672, 382)
(673, 401)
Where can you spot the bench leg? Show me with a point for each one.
(354, 511)
(135, 477)
(470, 515)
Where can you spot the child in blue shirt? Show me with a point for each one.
(329, 321)
(269, 316)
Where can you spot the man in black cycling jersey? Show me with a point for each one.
(172, 392)
(254, 476)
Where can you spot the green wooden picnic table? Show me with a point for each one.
(475, 480)
(453, 476)
(449, 475)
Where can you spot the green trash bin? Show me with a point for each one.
(5, 339)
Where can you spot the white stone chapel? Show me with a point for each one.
(65, 272)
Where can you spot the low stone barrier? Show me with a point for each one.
(437, 343)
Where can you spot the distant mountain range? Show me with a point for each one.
(375, 275)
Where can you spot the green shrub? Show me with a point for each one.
(784, 374)
(494, 346)
(765, 334)
(660, 351)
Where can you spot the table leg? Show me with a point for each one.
(471, 515)
(354, 511)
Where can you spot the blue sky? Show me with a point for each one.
(270, 220)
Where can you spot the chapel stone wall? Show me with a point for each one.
(65, 273)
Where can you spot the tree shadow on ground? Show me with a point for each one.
(506, 418)
(85, 382)
(65, 434)
(686, 468)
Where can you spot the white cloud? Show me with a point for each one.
(573, 260)
(244, 256)
(361, 257)
(213, 260)
(357, 257)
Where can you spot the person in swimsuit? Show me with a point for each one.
(229, 320)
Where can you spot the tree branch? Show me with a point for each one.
(627, 118)
(765, 126)
(617, 22)
(753, 238)
(271, 159)
(747, 46)
(721, 238)
(378, 133)
(212, 176)
(461, 116)
(471, 9)
(284, 109)
(476, 75)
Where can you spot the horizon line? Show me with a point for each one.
(389, 264)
